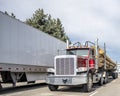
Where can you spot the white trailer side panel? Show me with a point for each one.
(25, 45)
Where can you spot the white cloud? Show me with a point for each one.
(82, 19)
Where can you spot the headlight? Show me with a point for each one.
(81, 69)
(51, 70)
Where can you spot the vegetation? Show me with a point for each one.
(47, 24)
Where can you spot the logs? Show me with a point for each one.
(109, 63)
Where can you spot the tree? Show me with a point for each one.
(47, 24)
(38, 20)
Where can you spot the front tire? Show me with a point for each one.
(53, 87)
(88, 86)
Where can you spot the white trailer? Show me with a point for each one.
(25, 52)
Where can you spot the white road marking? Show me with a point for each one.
(93, 93)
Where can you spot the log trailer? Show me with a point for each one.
(82, 65)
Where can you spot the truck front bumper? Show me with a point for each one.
(67, 80)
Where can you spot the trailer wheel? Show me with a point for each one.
(88, 86)
(115, 75)
(53, 87)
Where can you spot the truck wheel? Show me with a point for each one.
(88, 86)
(106, 79)
(53, 87)
(101, 81)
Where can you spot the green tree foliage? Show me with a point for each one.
(47, 24)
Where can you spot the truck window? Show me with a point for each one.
(83, 52)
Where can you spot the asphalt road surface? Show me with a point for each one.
(40, 89)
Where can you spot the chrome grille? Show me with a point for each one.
(64, 66)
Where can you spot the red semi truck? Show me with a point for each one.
(82, 65)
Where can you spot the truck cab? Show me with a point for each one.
(74, 68)
(84, 56)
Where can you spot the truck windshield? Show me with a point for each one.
(78, 52)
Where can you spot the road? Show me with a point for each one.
(110, 89)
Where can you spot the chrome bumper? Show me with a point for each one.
(66, 80)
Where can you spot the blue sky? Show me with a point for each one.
(82, 19)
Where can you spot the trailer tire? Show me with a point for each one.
(115, 75)
(88, 86)
(53, 87)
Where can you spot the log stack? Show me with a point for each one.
(109, 63)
